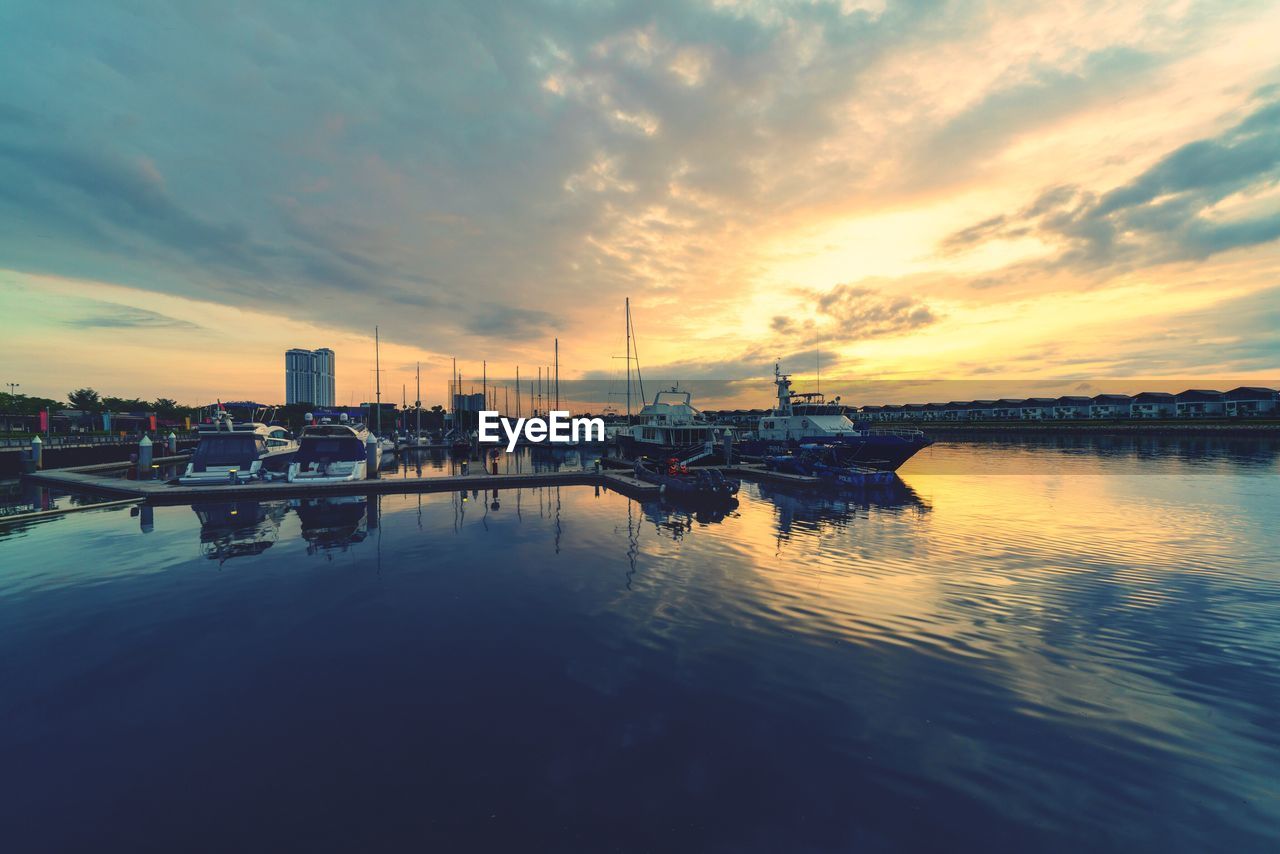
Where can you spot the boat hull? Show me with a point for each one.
(886, 453)
(705, 486)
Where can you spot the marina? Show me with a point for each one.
(610, 645)
(823, 427)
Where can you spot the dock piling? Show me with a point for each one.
(37, 453)
(144, 458)
(173, 443)
(373, 457)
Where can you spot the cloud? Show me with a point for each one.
(476, 182)
(1169, 212)
(508, 321)
(860, 312)
(109, 316)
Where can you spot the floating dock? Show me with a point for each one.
(89, 480)
(92, 480)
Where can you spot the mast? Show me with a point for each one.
(484, 383)
(417, 403)
(538, 405)
(377, 373)
(517, 391)
(631, 329)
(628, 360)
(557, 373)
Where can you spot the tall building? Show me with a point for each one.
(309, 376)
(324, 372)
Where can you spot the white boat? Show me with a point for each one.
(668, 425)
(334, 453)
(237, 453)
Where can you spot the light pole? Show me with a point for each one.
(12, 393)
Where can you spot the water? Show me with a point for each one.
(1080, 652)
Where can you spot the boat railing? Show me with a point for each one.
(70, 440)
(904, 432)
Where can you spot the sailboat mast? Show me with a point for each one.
(517, 391)
(377, 374)
(417, 403)
(628, 360)
(635, 349)
(557, 373)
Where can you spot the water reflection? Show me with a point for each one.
(538, 458)
(1055, 452)
(332, 525)
(838, 508)
(676, 519)
(1043, 662)
(233, 529)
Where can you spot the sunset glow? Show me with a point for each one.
(1051, 195)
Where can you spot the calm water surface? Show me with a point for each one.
(1026, 644)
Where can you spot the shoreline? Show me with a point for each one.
(1254, 429)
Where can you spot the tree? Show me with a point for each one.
(85, 399)
(125, 404)
(165, 406)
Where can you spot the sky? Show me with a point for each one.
(920, 201)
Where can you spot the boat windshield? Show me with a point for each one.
(329, 449)
(228, 449)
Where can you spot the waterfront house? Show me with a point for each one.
(1199, 403)
(1008, 409)
(1071, 406)
(1251, 401)
(982, 410)
(1037, 408)
(934, 411)
(869, 413)
(891, 412)
(1110, 406)
(956, 410)
(1153, 404)
(914, 411)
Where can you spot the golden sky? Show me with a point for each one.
(946, 200)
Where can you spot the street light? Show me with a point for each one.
(13, 386)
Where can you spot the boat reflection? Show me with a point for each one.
(677, 518)
(839, 507)
(231, 529)
(334, 524)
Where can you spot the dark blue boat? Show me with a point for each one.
(682, 482)
(810, 419)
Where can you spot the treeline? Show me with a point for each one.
(89, 400)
